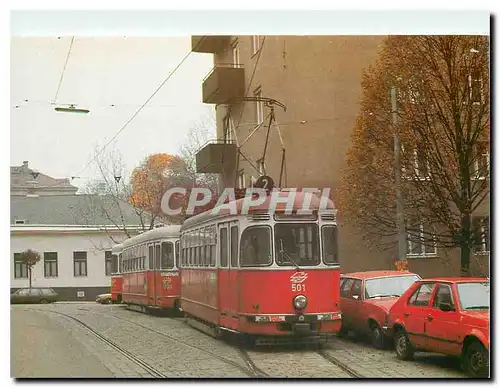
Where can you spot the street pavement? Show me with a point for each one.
(46, 344)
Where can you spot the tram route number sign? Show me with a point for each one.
(264, 182)
(297, 281)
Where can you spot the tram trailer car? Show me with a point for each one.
(116, 276)
(150, 270)
(266, 276)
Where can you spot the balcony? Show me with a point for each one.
(209, 43)
(216, 157)
(224, 82)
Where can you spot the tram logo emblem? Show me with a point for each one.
(167, 284)
(298, 277)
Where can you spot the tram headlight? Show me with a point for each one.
(300, 302)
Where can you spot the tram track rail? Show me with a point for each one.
(147, 367)
(335, 361)
(250, 370)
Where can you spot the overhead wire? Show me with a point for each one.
(133, 116)
(64, 68)
(243, 104)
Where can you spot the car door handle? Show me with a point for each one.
(406, 314)
(430, 317)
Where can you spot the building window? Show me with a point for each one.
(416, 165)
(481, 226)
(236, 54)
(475, 84)
(108, 263)
(259, 106)
(255, 44)
(422, 168)
(421, 241)
(50, 264)
(20, 268)
(241, 180)
(481, 161)
(80, 263)
(229, 126)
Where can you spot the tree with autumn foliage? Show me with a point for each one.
(443, 125)
(153, 177)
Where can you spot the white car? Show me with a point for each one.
(104, 299)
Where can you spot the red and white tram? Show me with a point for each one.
(150, 269)
(116, 276)
(262, 274)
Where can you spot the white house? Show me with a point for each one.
(74, 235)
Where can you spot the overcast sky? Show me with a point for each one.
(102, 71)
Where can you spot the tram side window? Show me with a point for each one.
(167, 255)
(157, 256)
(223, 247)
(234, 246)
(255, 248)
(151, 255)
(177, 252)
(213, 247)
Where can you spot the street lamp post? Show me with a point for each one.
(400, 222)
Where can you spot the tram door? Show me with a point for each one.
(234, 295)
(228, 274)
(157, 273)
(151, 274)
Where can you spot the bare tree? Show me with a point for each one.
(198, 135)
(109, 198)
(443, 125)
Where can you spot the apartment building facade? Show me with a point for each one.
(318, 80)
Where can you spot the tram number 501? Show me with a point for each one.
(297, 287)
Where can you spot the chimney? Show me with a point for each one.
(25, 164)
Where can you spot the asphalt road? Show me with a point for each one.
(43, 347)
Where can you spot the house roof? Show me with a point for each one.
(73, 210)
(21, 178)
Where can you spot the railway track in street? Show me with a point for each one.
(147, 367)
(250, 370)
(335, 361)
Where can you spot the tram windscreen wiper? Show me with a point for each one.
(283, 254)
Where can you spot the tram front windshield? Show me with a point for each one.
(297, 244)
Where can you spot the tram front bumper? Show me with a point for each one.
(297, 324)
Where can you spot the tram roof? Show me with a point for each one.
(224, 210)
(117, 248)
(170, 231)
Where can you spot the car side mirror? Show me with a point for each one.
(445, 307)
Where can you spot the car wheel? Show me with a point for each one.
(476, 360)
(402, 345)
(377, 336)
(44, 301)
(343, 332)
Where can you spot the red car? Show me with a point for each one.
(366, 297)
(448, 316)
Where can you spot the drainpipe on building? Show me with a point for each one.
(400, 222)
